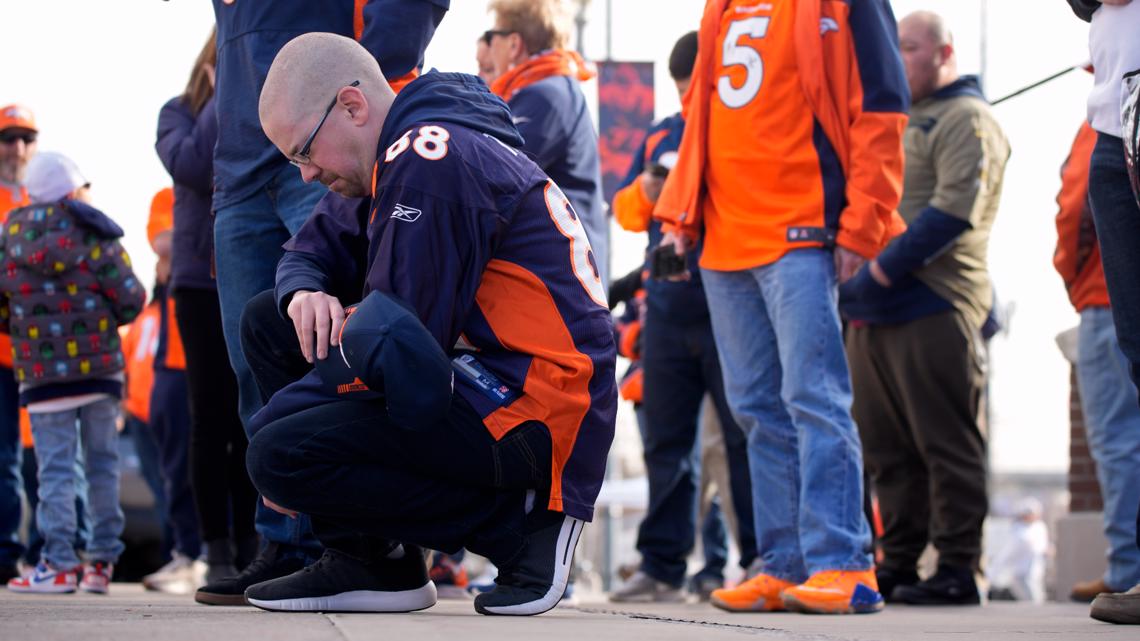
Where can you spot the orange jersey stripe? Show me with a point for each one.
(523, 315)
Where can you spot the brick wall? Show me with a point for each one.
(1084, 490)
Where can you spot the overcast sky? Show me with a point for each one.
(96, 74)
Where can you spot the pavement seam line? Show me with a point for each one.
(711, 624)
(331, 618)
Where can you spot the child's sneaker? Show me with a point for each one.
(449, 576)
(97, 577)
(836, 592)
(46, 579)
(761, 593)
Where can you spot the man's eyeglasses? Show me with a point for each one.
(10, 137)
(302, 156)
(489, 34)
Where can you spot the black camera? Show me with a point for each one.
(665, 263)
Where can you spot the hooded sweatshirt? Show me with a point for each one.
(67, 285)
(484, 247)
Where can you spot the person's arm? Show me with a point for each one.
(1073, 208)
(880, 99)
(323, 265)
(117, 281)
(328, 253)
(1085, 8)
(185, 144)
(632, 207)
(969, 160)
(396, 33)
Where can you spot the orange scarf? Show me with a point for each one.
(555, 62)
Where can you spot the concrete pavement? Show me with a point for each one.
(131, 614)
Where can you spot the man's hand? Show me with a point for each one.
(316, 313)
(651, 185)
(681, 244)
(277, 508)
(878, 274)
(1115, 2)
(847, 263)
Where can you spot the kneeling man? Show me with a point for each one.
(469, 399)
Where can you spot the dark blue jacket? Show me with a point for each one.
(185, 145)
(251, 32)
(926, 237)
(483, 246)
(680, 302)
(558, 134)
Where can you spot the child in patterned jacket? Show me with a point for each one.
(65, 287)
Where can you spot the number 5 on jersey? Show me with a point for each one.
(581, 255)
(733, 54)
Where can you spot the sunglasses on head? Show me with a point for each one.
(9, 137)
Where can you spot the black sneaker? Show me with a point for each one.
(231, 590)
(341, 583)
(950, 585)
(535, 580)
(890, 579)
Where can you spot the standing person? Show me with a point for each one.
(223, 494)
(260, 201)
(680, 364)
(914, 340)
(17, 146)
(1107, 395)
(539, 78)
(1115, 52)
(169, 420)
(792, 162)
(466, 251)
(67, 287)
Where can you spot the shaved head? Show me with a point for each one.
(308, 73)
(927, 49)
(932, 23)
(309, 70)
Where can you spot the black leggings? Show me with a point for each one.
(222, 490)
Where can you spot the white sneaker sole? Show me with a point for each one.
(567, 543)
(43, 589)
(356, 601)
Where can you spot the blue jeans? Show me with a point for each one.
(57, 436)
(247, 245)
(1117, 218)
(1112, 417)
(785, 373)
(11, 483)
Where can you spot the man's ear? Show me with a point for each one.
(355, 102)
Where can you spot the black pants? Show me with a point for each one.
(681, 364)
(917, 390)
(221, 485)
(365, 481)
(170, 426)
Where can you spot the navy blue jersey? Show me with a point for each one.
(490, 254)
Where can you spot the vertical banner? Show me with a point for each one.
(625, 112)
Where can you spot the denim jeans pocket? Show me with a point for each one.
(522, 457)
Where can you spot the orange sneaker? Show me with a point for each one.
(836, 592)
(761, 593)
